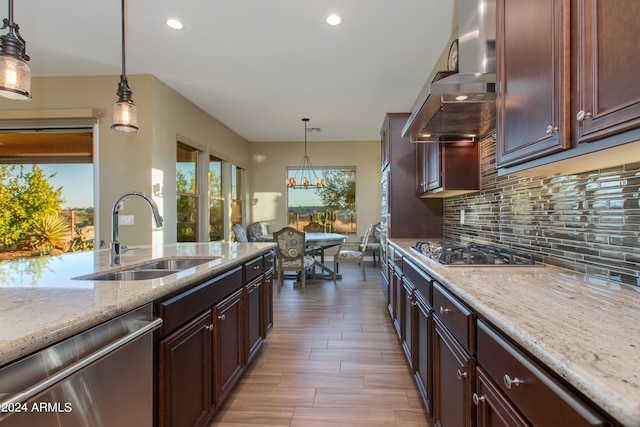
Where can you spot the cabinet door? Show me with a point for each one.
(267, 291)
(533, 100)
(409, 322)
(434, 171)
(453, 380)
(609, 60)
(423, 358)
(184, 380)
(398, 302)
(254, 319)
(493, 409)
(228, 343)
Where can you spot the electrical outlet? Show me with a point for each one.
(461, 216)
(125, 220)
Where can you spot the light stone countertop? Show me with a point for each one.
(41, 303)
(584, 329)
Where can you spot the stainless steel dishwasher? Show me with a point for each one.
(101, 377)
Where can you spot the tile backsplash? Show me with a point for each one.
(587, 222)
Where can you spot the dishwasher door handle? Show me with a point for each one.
(55, 378)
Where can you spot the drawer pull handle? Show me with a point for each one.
(461, 374)
(444, 310)
(508, 382)
(477, 399)
(256, 267)
(209, 328)
(222, 317)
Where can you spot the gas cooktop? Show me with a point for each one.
(454, 254)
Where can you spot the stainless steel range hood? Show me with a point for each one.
(461, 106)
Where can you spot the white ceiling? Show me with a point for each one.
(258, 66)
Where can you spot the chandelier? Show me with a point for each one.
(305, 170)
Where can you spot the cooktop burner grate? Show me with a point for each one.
(454, 253)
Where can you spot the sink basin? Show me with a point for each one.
(174, 263)
(152, 270)
(134, 275)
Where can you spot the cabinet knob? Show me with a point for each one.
(222, 317)
(461, 374)
(444, 310)
(256, 267)
(477, 399)
(209, 328)
(509, 382)
(582, 115)
(551, 130)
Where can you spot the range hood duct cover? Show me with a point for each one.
(441, 115)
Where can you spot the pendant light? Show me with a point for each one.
(125, 116)
(305, 169)
(15, 75)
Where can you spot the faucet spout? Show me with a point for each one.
(116, 248)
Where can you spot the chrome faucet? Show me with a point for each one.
(116, 248)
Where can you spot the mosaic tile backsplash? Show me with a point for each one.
(587, 222)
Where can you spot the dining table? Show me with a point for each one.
(317, 243)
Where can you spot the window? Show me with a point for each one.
(187, 193)
(216, 200)
(334, 205)
(236, 194)
(47, 173)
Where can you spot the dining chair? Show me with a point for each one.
(241, 235)
(353, 255)
(291, 254)
(373, 245)
(314, 227)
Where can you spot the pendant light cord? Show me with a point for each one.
(124, 72)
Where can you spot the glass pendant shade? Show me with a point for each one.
(15, 75)
(125, 117)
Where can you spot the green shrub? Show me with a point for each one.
(49, 234)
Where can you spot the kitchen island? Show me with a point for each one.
(42, 301)
(584, 330)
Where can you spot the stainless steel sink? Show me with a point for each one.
(174, 263)
(152, 270)
(134, 275)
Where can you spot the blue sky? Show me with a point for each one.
(76, 181)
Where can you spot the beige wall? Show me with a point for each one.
(269, 161)
(142, 161)
(145, 161)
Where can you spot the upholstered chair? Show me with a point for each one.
(373, 245)
(353, 255)
(256, 234)
(291, 254)
(241, 235)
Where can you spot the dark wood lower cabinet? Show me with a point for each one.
(228, 357)
(185, 361)
(453, 380)
(210, 333)
(423, 358)
(254, 319)
(408, 321)
(493, 409)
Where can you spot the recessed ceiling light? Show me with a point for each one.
(174, 23)
(334, 19)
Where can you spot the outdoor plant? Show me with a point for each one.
(49, 234)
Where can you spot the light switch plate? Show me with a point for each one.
(125, 220)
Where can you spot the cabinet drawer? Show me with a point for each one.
(540, 397)
(182, 307)
(269, 261)
(459, 319)
(253, 269)
(419, 279)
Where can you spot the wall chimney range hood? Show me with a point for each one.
(461, 106)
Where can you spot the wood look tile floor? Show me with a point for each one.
(332, 359)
